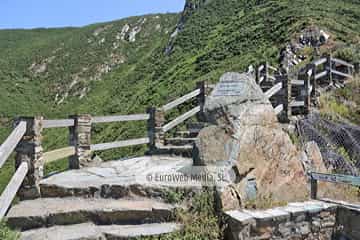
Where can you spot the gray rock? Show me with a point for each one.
(117, 179)
(64, 211)
(90, 231)
(247, 137)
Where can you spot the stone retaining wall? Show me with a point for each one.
(313, 220)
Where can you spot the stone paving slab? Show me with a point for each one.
(245, 216)
(241, 217)
(63, 211)
(118, 179)
(90, 231)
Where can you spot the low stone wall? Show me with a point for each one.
(312, 220)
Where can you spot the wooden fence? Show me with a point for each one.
(332, 178)
(26, 141)
(295, 96)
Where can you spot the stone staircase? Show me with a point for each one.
(114, 200)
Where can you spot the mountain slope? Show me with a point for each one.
(98, 70)
(46, 68)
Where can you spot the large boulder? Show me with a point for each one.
(247, 137)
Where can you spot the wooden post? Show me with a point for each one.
(257, 74)
(329, 69)
(313, 82)
(314, 188)
(266, 72)
(30, 150)
(262, 73)
(80, 138)
(159, 123)
(357, 68)
(151, 128)
(201, 100)
(287, 97)
(307, 96)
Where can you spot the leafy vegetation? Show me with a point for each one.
(200, 220)
(342, 104)
(8, 234)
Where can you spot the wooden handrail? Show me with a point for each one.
(321, 74)
(297, 104)
(332, 178)
(121, 118)
(58, 154)
(181, 119)
(342, 62)
(119, 144)
(336, 178)
(10, 191)
(341, 74)
(275, 89)
(11, 142)
(279, 109)
(58, 123)
(320, 61)
(181, 100)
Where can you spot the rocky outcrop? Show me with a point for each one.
(246, 137)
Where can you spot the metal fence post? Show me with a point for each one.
(314, 188)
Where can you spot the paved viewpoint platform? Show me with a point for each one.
(118, 179)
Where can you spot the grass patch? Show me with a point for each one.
(200, 220)
(7, 234)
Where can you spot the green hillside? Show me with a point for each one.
(98, 70)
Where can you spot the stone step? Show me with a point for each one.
(116, 179)
(45, 212)
(91, 231)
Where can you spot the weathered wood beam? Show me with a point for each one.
(271, 77)
(297, 82)
(297, 104)
(120, 118)
(321, 75)
(342, 62)
(313, 188)
(336, 178)
(272, 68)
(119, 144)
(275, 89)
(262, 78)
(261, 68)
(279, 109)
(58, 154)
(10, 191)
(11, 142)
(181, 100)
(58, 123)
(181, 119)
(341, 74)
(320, 61)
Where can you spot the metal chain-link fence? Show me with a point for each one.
(339, 142)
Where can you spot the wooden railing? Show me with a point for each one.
(278, 87)
(266, 73)
(6, 149)
(162, 127)
(26, 140)
(332, 178)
